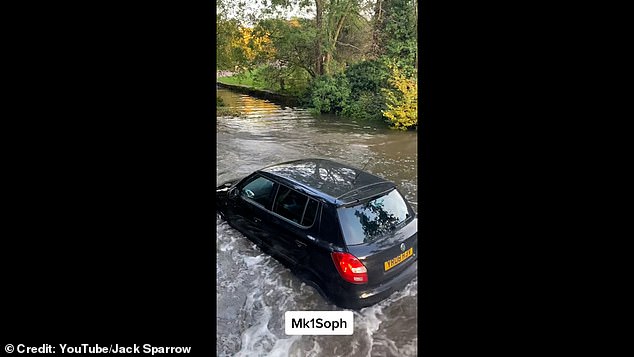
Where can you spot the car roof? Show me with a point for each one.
(332, 181)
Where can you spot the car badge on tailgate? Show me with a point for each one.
(402, 247)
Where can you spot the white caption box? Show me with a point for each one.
(319, 322)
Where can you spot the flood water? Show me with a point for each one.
(254, 290)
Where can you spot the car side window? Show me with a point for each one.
(311, 212)
(290, 204)
(259, 190)
(295, 206)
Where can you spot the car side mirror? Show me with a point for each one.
(233, 193)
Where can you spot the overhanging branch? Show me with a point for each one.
(347, 44)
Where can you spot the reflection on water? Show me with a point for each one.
(263, 138)
(254, 290)
(248, 105)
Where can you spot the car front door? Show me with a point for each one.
(254, 199)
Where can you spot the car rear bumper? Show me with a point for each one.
(359, 296)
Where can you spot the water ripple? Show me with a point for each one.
(254, 290)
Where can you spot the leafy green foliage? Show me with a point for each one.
(397, 32)
(292, 81)
(402, 100)
(249, 78)
(366, 101)
(330, 93)
(367, 76)
(339, 61)
(293, 41)
(226, 34)
(367, 106)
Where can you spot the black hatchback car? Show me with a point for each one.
(344, 231)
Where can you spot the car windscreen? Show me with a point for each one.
(368, 221)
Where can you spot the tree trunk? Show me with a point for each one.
(318, 17)
(335, 37)
(376, 33)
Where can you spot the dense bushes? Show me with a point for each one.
(366, 99)
(402, 100)
(370, 90)
(338, 60)
(367, 76)
(377, 90)
(368, 106)
(354, 93)
(374, 90)
(290, 81)
(329, 94)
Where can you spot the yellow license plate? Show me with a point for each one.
(399, 259)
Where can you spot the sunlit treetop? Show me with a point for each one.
(250, 12)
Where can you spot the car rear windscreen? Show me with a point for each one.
(371, 220)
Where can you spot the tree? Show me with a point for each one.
(340, 14)
(331, 17)
(395, 35)
(226, 35)
(402, 100)
(292, 42)
(352, 57)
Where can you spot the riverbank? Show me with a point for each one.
(277, 98)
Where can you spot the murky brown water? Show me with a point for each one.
(254, 290)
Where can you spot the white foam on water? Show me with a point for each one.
(410, 349)
(315, 351)
(367, 322)
(283, 347)
(253, 261)
(268, 290)
(385, 347)
(225, 245)
(258, 340)
(368, 325)
(410, 290)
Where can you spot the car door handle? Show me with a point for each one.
(300, 244)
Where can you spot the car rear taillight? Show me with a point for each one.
(350, 268)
